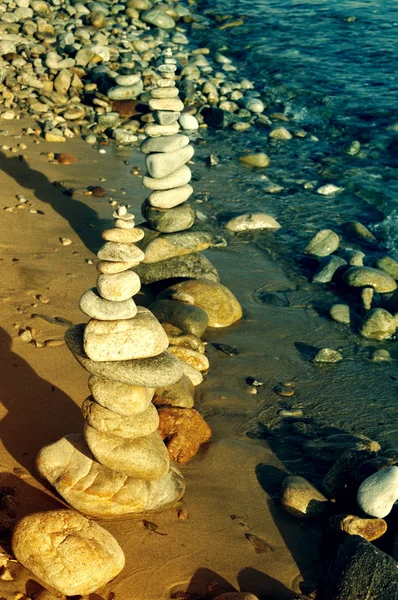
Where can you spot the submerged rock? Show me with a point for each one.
(327, 355)
(328, 268)
(369, 277)
(252, 221)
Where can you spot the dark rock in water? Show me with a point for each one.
(361, 572)
(341, 479)
(218, 118)
(226, 349)
(186, 317)
(190, 266)
(330, 448)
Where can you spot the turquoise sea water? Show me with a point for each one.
(331, 67)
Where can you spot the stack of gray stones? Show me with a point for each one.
(170, 250)
(120, 465)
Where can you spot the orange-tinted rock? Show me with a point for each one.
(66, 159)
(184, 430)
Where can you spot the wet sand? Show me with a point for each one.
(233, 482)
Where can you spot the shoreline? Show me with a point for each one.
(273, 338)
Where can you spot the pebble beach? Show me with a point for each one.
(293, 483)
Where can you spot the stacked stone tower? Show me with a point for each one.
(166, 210)
(121, 464)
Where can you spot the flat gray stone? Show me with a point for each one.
(170, 198)
(154, 130)
(158, 18)
(171, 220)
(107, 421)
(119, 286)
(115, 251)
(140, 337)
(190, 266)
(186, 317)
(161, 164)
(95, 490)
(144, 457)
(168, 143)
(126, 92)
(171, 92)
(169, 245)
(153, 372)
(126, 400)
(96, 307)
(164, 117)
(180, 177)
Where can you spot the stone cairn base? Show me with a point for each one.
(120, 464)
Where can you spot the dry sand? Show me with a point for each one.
(232, 483)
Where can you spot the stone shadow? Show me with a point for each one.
(38, 413)
(82, 219)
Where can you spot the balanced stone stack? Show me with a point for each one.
(121, 464)
(170, 250)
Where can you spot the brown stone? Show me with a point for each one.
(184, 430)
(66, 159)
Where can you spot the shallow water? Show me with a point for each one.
(329, 67)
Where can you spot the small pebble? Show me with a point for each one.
(283, 390)
(25, 335)
(254, 382)
(65, 241)
(327, 355)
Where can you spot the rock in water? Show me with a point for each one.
(323, 243)
(360, 571)
(378, 324)
(379, 492)
(252, 221)
(67, 551)
(219, 303)
(94, 489)
(367, 277)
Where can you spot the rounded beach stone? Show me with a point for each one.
(379, 492)
(370, 529)
(123, 236)
(260, 159)
(280, 134)
(327, 355)
(252, 221)
(173, 104)
(127, 400)
(154, 372)
(110, 267)
(141, 337)
(123, 224)
(154, 130)
(171, 92)
(117, 252)
(358, 231)
(158, 18)
(119, 286)
(67, 552)
(219, 303)
(191, 357)
(161, 164)
(175, 244)
(389, 265)
(192, 266)
(341, 313)
(179, 394)
(96, 307)
(301, 499)
(120, 426)
(180, 177)
(170, 198)
(125, 92)
(192, 373)
(180, 218)
(378, 324)
(97, 491)
(186, 317)
(323, 243)
(143, 458)
(168, 143)
(368, 277)
(189, 122)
